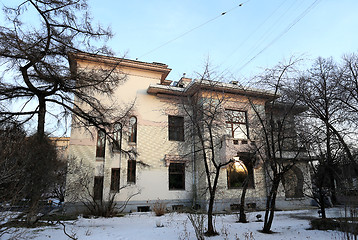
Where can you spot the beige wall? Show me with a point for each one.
(152, 145)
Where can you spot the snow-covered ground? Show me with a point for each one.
(286, 225)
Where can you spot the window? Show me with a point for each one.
(143, 209)
(177, 176)
(238, 172)
(176, 128)
(117, 136)
(101, 144)
(131, 171)
(236, 124)
(98, 188)
(115, 179)
(133, 130)
(293, 181)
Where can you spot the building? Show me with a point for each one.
(61, 144)
(168, 166)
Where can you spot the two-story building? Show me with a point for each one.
(167, 164)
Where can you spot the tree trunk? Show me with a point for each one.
(211, 230)
(33, 207)
(242, 214)
(270, 206)
(331, 174)
(322, 204)
(41, 118)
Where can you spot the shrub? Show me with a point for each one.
(197, 220)
(159, 208)
(324, 224)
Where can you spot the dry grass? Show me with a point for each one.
(159, 208)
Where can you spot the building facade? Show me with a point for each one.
(153, 154)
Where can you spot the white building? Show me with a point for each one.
(168, 166)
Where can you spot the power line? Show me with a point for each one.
(303, 14)
(191, 30)
(267, 33)
(251, 34)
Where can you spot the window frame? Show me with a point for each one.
(115, 179)
(232, 123)
(176, 128)
(174, 171)
(131, 171)
(98, 188)
(132, 138)
(117, 136)
(101, 144)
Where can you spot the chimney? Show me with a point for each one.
(183, 82)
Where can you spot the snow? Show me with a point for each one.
(286, 225)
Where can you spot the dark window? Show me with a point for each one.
(101, 144)
(176, 128)
(115, 179)
(117, 136)
(178, 208)
(236, 124)
(131, 171)
(143, 209)
(238, 172)
(133, 129)
(177, 176)
(98, 188)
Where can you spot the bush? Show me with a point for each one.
(325, 224)
(159, 208)
(197, 220)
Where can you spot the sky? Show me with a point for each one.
(248, 38)
(252, 34)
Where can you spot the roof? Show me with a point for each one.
(59, 138)
(164, 86)
(197, 84)
(113, 61)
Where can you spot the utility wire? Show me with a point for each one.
(251, 34)
(191, 30)
(303, 14)
(267, 34)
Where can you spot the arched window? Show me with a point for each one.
(293, 183)
(117, 136)
(238, 172)
(133, 129)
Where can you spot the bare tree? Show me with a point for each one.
(314, 136)
(11, 192)
(205, 112)
(26, 172)
(319, 91)
(35, 58)
(80, 189)
(275, 128)
(328, 90)
(252, 160)
(349, 84)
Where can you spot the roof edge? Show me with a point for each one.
(156, 67)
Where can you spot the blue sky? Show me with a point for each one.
(230, 41)
(243, 42)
